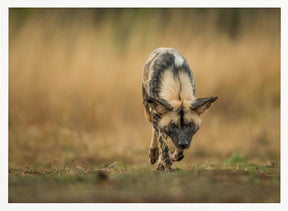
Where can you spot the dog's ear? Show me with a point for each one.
(200, 105)
(160, 106)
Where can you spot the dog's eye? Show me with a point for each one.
(191, 124)
(172, 125)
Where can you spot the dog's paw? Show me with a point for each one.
(177, 157)
(160, 167)
(170, 168)
(153, 155)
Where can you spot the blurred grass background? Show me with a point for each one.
(75, 82)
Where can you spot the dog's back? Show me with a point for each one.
(167, 76)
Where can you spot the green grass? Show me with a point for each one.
(236, 158)
(241, 182)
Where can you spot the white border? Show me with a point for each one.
(147, 3)
(4, 107)
(284, 104)
(142, 3)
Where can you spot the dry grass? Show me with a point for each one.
(75, 84)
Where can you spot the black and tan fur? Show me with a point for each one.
(170, 105)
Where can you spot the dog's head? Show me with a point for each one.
(179, 120)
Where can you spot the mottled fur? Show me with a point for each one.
(170, 105)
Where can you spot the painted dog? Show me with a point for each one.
(168, 91)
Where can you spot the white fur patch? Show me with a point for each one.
(179, 60)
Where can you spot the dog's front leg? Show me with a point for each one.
(154, 149)
(164, 162)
